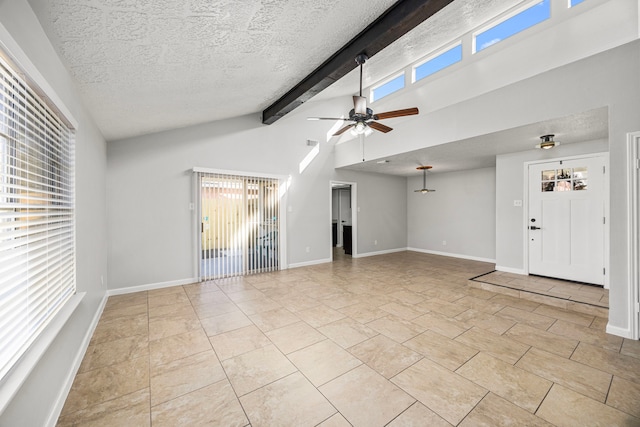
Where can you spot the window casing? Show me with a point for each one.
(37, 215)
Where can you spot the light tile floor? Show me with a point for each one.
(398, 340)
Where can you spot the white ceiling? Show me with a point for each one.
(145, 66)
(481, 151)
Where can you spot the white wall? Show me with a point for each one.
(335, 205)
(149, 188)
(462, 212)
(38, 399)
(383, 212)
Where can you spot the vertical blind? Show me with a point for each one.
(239, 225)
(37, 249)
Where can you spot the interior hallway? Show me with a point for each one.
(384, 340)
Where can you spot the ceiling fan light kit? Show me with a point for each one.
(363, 118)
(547, 142)
(360, 128)
(424, 188)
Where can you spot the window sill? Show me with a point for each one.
(11, 384)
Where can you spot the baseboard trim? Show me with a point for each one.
(511, 270)
(309, 263)
(453, 255)
(621, 332)
(152, 286)
(75, 366)
(384, 252)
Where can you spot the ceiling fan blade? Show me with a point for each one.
(344, 129)
(360, 105)
(396, 113)
(327, 118)
(379, 127)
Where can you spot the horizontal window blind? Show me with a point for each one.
(240, 225)
(37, 222)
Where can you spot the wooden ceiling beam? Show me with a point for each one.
(395, 22)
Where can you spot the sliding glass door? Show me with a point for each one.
(239, 225)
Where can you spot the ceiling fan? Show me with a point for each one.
(362, 116)
(424, 188)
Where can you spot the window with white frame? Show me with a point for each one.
(387, 88)
(521, 21)
(438, 62)
(37, 215)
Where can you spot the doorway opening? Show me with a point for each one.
(343, 220)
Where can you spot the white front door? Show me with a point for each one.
(566, 219)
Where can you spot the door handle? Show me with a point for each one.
(533, 227)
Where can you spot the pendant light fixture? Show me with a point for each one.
(547, 142)
(424, 188)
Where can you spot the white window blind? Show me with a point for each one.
(240, 225)
(37, 219)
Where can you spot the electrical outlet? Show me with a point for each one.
(308, 249)
(375, 242)
(517, 203)
(444, 243)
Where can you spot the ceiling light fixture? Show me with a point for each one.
(361, 128)
(547, 142)
(424, 188)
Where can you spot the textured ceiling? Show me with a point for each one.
(481, 151)
(149, 65)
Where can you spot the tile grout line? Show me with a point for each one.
(553, 383)
(475, 406)
(609, 391)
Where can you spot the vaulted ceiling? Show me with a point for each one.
(145, 66)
